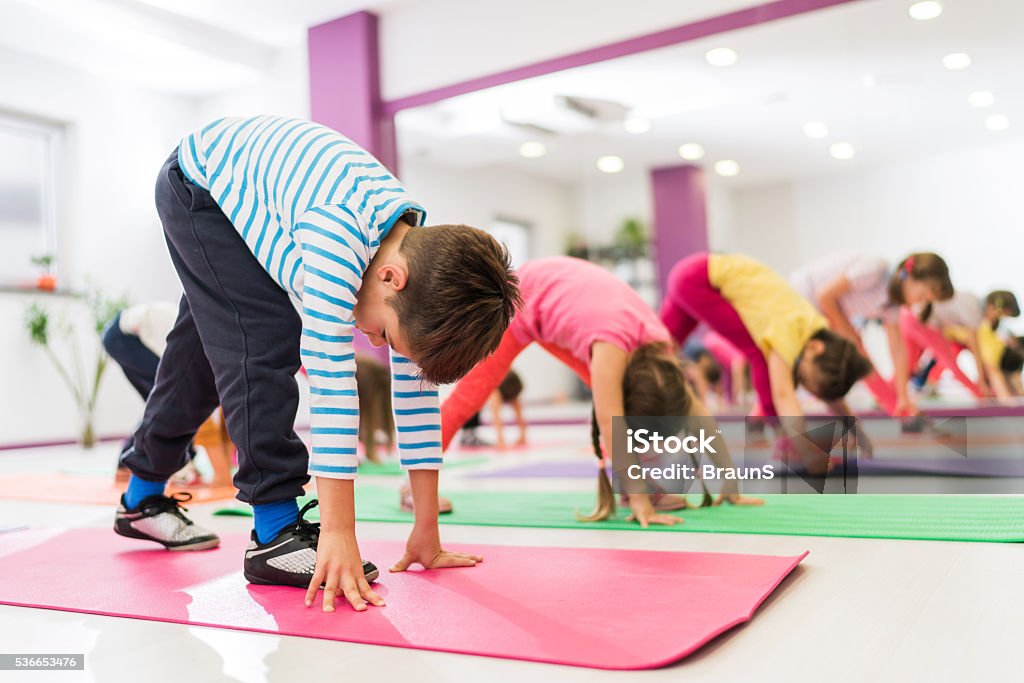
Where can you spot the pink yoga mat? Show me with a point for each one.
(557, 605)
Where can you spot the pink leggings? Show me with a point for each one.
(690, 299)
(918, 336)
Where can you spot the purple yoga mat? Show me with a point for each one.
(943, 467)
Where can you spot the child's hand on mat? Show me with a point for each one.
(340, 570)
(424, 548)
(645, 514)
(737, 499)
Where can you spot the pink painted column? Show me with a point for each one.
(680, 216)
(344, 84)
(344, 93)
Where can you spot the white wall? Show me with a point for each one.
(721, 211)
(283, 90)
(116, 139)
(479, 196)
(962, 203)
(763, 225)
(608, 199)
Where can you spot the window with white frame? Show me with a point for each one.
(27, 197)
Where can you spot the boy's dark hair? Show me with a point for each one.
(458, 301)
(510, 387)
(1012, 361)
(839, 366)
(1003, 301)
(653, 385)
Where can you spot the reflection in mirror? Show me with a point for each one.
(856, 128)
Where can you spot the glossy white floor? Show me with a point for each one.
(855, 610)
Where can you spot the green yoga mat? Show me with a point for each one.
(930, 518)
(391, 467)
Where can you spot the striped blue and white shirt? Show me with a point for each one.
(313, 207)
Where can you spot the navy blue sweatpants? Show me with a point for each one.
(235, 342)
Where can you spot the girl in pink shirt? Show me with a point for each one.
(603, 330)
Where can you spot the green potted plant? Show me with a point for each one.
(576, 245)
(81, 380)
(46, 281)
(631, 238)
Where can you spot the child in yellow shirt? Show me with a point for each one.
(786, 341)
(1002, 361)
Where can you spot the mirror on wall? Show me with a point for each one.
(854, 127)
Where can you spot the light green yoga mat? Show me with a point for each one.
(933, 518)
(391, 467)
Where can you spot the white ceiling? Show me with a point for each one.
(205, 47)
(275, 22)
(189, 47)
(866, 69)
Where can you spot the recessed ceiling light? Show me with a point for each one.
(532, 150)
(721, 56)
(636, 124)
(997, 122)
(923, 11)
(610, 164)
(691, 151)
(727, 168)
(842, 150)
(981, 98)
(815, 129)
(869, 80)
(956, 61)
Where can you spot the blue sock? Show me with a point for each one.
(273, 518)
(140, 489)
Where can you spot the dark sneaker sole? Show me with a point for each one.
(202, 544)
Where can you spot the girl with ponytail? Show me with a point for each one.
(598, 326)
(851, 288)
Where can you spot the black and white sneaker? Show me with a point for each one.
(162, 519)
(290, 558)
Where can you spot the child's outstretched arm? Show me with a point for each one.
(702, 419)
(517, 406)
(499, 424)
(739, 388)
(607, 370)
(418, 425)
(828, 303)
(973, 347)
(859, 437)
(997, 380)
(330, 279)
(901, 369)
(790, 413)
